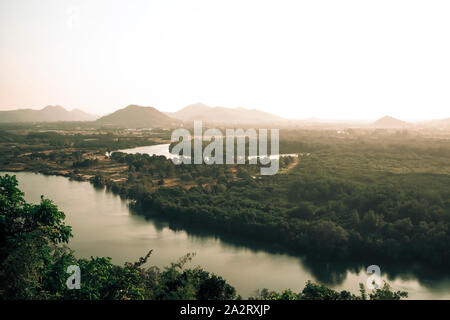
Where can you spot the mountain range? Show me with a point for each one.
(134, 116)
(47, 114)
(199, 111)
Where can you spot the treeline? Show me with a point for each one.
(313, 291)
(377, 141)
(13, 144)
(284, 147)
(143, 167)
(108, 141)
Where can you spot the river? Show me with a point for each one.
(104, 225)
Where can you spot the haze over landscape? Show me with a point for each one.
(134, 116)
(293, 59)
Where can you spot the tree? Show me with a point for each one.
(28, 236)
(303, 211)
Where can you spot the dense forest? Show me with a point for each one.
(389, 202)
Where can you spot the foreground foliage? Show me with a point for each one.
(314, 291)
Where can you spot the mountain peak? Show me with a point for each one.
(389, 122)
(386, 117)
(196, 106)
(133, 106)
(134, 116)
(53, 108)
(138, 107)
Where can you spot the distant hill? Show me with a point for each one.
(135, 117)
(199, 111)
(437, 124)
(389, 122)
(47, 114)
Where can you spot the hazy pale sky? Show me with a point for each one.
(329, 59)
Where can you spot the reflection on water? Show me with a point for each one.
(158, 149)
(105, 225)
(163, 150)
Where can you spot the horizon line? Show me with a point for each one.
(306, 118)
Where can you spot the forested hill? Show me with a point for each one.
(134, 116)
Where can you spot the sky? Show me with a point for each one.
(297, 59)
